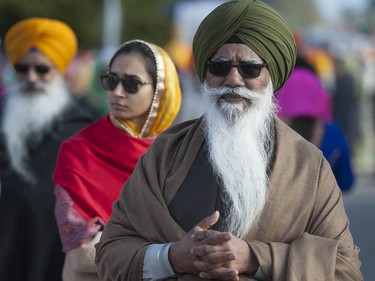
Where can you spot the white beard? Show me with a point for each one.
(239, 139)
(30, 114)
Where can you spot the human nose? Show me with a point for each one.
(234, 78)
(31, 75)
(119, 90)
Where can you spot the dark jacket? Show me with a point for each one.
(30, 247)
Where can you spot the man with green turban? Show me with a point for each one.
(235, 194)
(258, 26)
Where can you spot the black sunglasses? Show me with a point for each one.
(129, 84)
(25, 68)
(246, 69)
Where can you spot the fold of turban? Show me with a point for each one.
(53, 38)
(256, 24)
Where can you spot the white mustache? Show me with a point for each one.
(215, 93)
(34, 87)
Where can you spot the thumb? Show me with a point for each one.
(207, 222)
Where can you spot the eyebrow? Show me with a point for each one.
(244, 59)
(252, 60)
(124, 76)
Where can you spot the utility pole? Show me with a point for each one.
(112, 26)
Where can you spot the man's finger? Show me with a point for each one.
(212, 237)
(207, 222)
(213, 260)
(221, 273)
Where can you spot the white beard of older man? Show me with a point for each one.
(29, 111)
(239, 135)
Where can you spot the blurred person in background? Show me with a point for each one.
(345, 102)
(235, 194)
(302, 60)
(144, 98)
(37, 114)
(2, 66)
(305, 106)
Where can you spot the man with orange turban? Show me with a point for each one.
(37, 114)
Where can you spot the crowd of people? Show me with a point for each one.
(250, 190)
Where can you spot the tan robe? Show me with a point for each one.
(303, 232)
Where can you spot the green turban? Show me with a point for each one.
(257, 25)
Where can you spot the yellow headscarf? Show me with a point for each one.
(53, 38)
(167, 97)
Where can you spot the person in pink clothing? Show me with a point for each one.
(305, 105)
(304, 95)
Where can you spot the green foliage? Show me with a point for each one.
(148, 20)
(364, 23)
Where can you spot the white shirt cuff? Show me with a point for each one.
(156, 265)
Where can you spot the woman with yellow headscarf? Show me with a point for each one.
(144, 98)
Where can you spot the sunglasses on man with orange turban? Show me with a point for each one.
(25, 68)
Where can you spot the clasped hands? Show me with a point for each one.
(212, 254)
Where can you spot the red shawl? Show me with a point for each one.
(92, 167)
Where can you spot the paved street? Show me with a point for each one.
(360, 208)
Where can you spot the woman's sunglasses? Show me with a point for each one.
(246, 69)
(129, 84)
(25, 68)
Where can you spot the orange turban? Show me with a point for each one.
(53, 38)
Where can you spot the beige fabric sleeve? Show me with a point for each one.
(79, 263)
(324, 252)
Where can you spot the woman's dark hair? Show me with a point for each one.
(142, 49)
